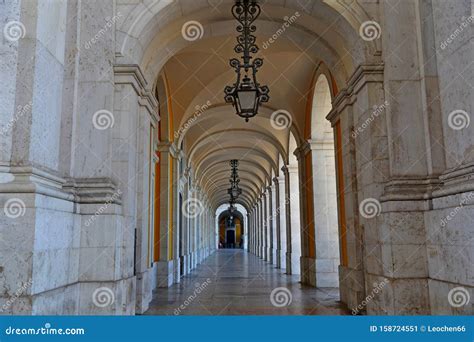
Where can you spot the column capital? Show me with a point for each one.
(302, 150)
(321, 144)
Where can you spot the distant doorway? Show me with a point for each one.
(230, 238)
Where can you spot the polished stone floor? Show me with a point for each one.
(235, 282)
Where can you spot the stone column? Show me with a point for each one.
(265, 226)
(325, 212)
(270, 225)
(306, 205)
(283, 218)
(288, 219)
(176, 216)
(277, 220)
(165, 263)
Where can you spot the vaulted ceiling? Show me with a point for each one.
(196, 72)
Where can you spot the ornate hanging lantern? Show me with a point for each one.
(246, 94)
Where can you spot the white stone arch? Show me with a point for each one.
(243, 210)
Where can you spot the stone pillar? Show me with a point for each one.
(288, 220)
(308, 247)
(265, 226)
(165, 264)
(277, 208)
(283, 218)
(325, 212)
(176, 216)
(270, 232)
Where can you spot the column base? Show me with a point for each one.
(144, 290)
(165, 274)
(270, 255)
(308, 271)
(177, 270)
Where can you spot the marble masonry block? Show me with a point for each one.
(373, 258)
(404, 261)
(108, 298)
(411, 297)
(16, 272)
(97, 263)
(451, 263)
(61, 301)
(378, 299)
(165, 273)
(324, 279)
(450, 299)
(402, 227)
(351, 286)
(50, 269)
(144, 291)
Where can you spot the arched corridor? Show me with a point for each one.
(355, 177)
